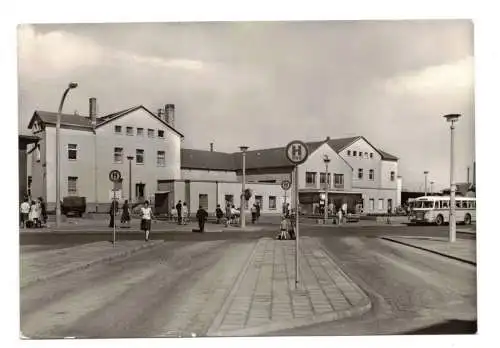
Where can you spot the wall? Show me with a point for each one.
(278, 177)
(386, 168)
(38, 186)
(148, 173)
(196, 174)
(399, 190)
(377, 194)
(363, 163)
(316, 164)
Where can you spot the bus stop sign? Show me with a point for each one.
(297, 152)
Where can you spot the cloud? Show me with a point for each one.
(440, 79)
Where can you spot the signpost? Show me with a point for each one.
(296, 152)
(285, 185)
(114, 176)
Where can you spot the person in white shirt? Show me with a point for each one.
(146, 215)
(185, 213)
(25, 210)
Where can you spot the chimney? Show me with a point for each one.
(211, 147)
(160, 114)
(93, 111)
(170, 114)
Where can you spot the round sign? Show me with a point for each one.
(297, 152)
(115, 175)
(285, 185)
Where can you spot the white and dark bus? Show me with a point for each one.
(436, 210)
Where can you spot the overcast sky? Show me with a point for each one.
(264, 84)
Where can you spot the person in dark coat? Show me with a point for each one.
(179, 212)
(112, 212)
(125, 213)
(219, 214)
(43, 206)
(201, 215)
(258, 210)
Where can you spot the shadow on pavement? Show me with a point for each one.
(450, 327)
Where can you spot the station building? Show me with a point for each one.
(146, 148)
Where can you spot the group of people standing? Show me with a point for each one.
(33, 213)
(181, 213)
(146, 216)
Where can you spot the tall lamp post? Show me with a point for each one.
(242, 205)
(130, 158)
(71, 85)
(452, 118)
(326, 160)
(425, 184)
(432, 183)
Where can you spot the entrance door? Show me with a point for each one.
(139, 191)
(389, 204)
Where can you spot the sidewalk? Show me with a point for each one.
(462, 249)
(46, 264)
(264, 298)
(84, 225)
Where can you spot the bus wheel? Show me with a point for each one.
(439, 220)
(467, 219)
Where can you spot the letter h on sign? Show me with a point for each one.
(297, 152)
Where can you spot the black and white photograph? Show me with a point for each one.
(247, 179)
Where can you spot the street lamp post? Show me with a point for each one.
(452, 118)
(432, 183)
(130, 158)
(58, 155)
(425, 185)
(242, 205)
(326, 160)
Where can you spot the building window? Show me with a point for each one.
(259, 200)
(389, 204)
(72, 152)
(360, 173)
(310, 179)
(371, 174)
(161, 133)
(160, 159)
(339, 180)
(354, 153)
(229, 199)
(72, 188)
(372, 204)
(393, 176)
(348, 152)
(366, 154)
(360, 154)
(203, 199)
(371, 154)
(380, 204)
(322, 177)
(139, 156)
(118, 129)
(272, 202)
(130, 130)
(151, 133)
(118, 155)
(140, 132)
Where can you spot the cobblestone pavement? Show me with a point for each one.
(410, 289)
(462, 249)
(265, 298)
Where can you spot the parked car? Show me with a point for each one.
(74, 205)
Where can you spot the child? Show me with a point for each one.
(173, 214)
(283, 228)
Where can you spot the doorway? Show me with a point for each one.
(139, 191)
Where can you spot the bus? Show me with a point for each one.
(436, 210)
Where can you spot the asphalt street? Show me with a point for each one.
(412, 291)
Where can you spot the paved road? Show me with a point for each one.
(412, 291)
(43, 238)
(160, 292)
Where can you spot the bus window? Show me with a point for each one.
(438, 205)
(473, 204)
(467, 204)
(427, 204)
(444, 204)
(458, 204)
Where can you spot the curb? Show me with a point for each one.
(466, 232)
(364, 306)
(212, 330)
(431, 251)
(94, 262)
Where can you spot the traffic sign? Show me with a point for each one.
(286, 184)
(297, 152)
(115, 175)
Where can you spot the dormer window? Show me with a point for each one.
(348, 152)
(118, 129)
(355, 153)
(371, 154)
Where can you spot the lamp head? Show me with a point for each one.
(243, 148)
(452, 117)
(326, 159)
(130, 158)
(426, 172)
(72, 85)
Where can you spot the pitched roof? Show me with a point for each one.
(387, 156)
(49, 117)
(339, 144)
(202, 159)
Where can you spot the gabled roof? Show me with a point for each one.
(387, 156)
(48, 117)
(208, 160)
(340, 144)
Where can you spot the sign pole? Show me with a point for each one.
(296, 227)
(114, 216)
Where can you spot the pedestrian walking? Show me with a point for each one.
(339, 216)
(344, 212)
(43, 207)
(258, 211)
(112, 212)
(178, 207)
(228, 214)
(219, 214)
(234, 215)
(34, 214)
(185, 213)
(284, 228)
(125, 219)
(146, 216)
(201, 216)
(253, 210)
(24, 211)
(173, 214)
